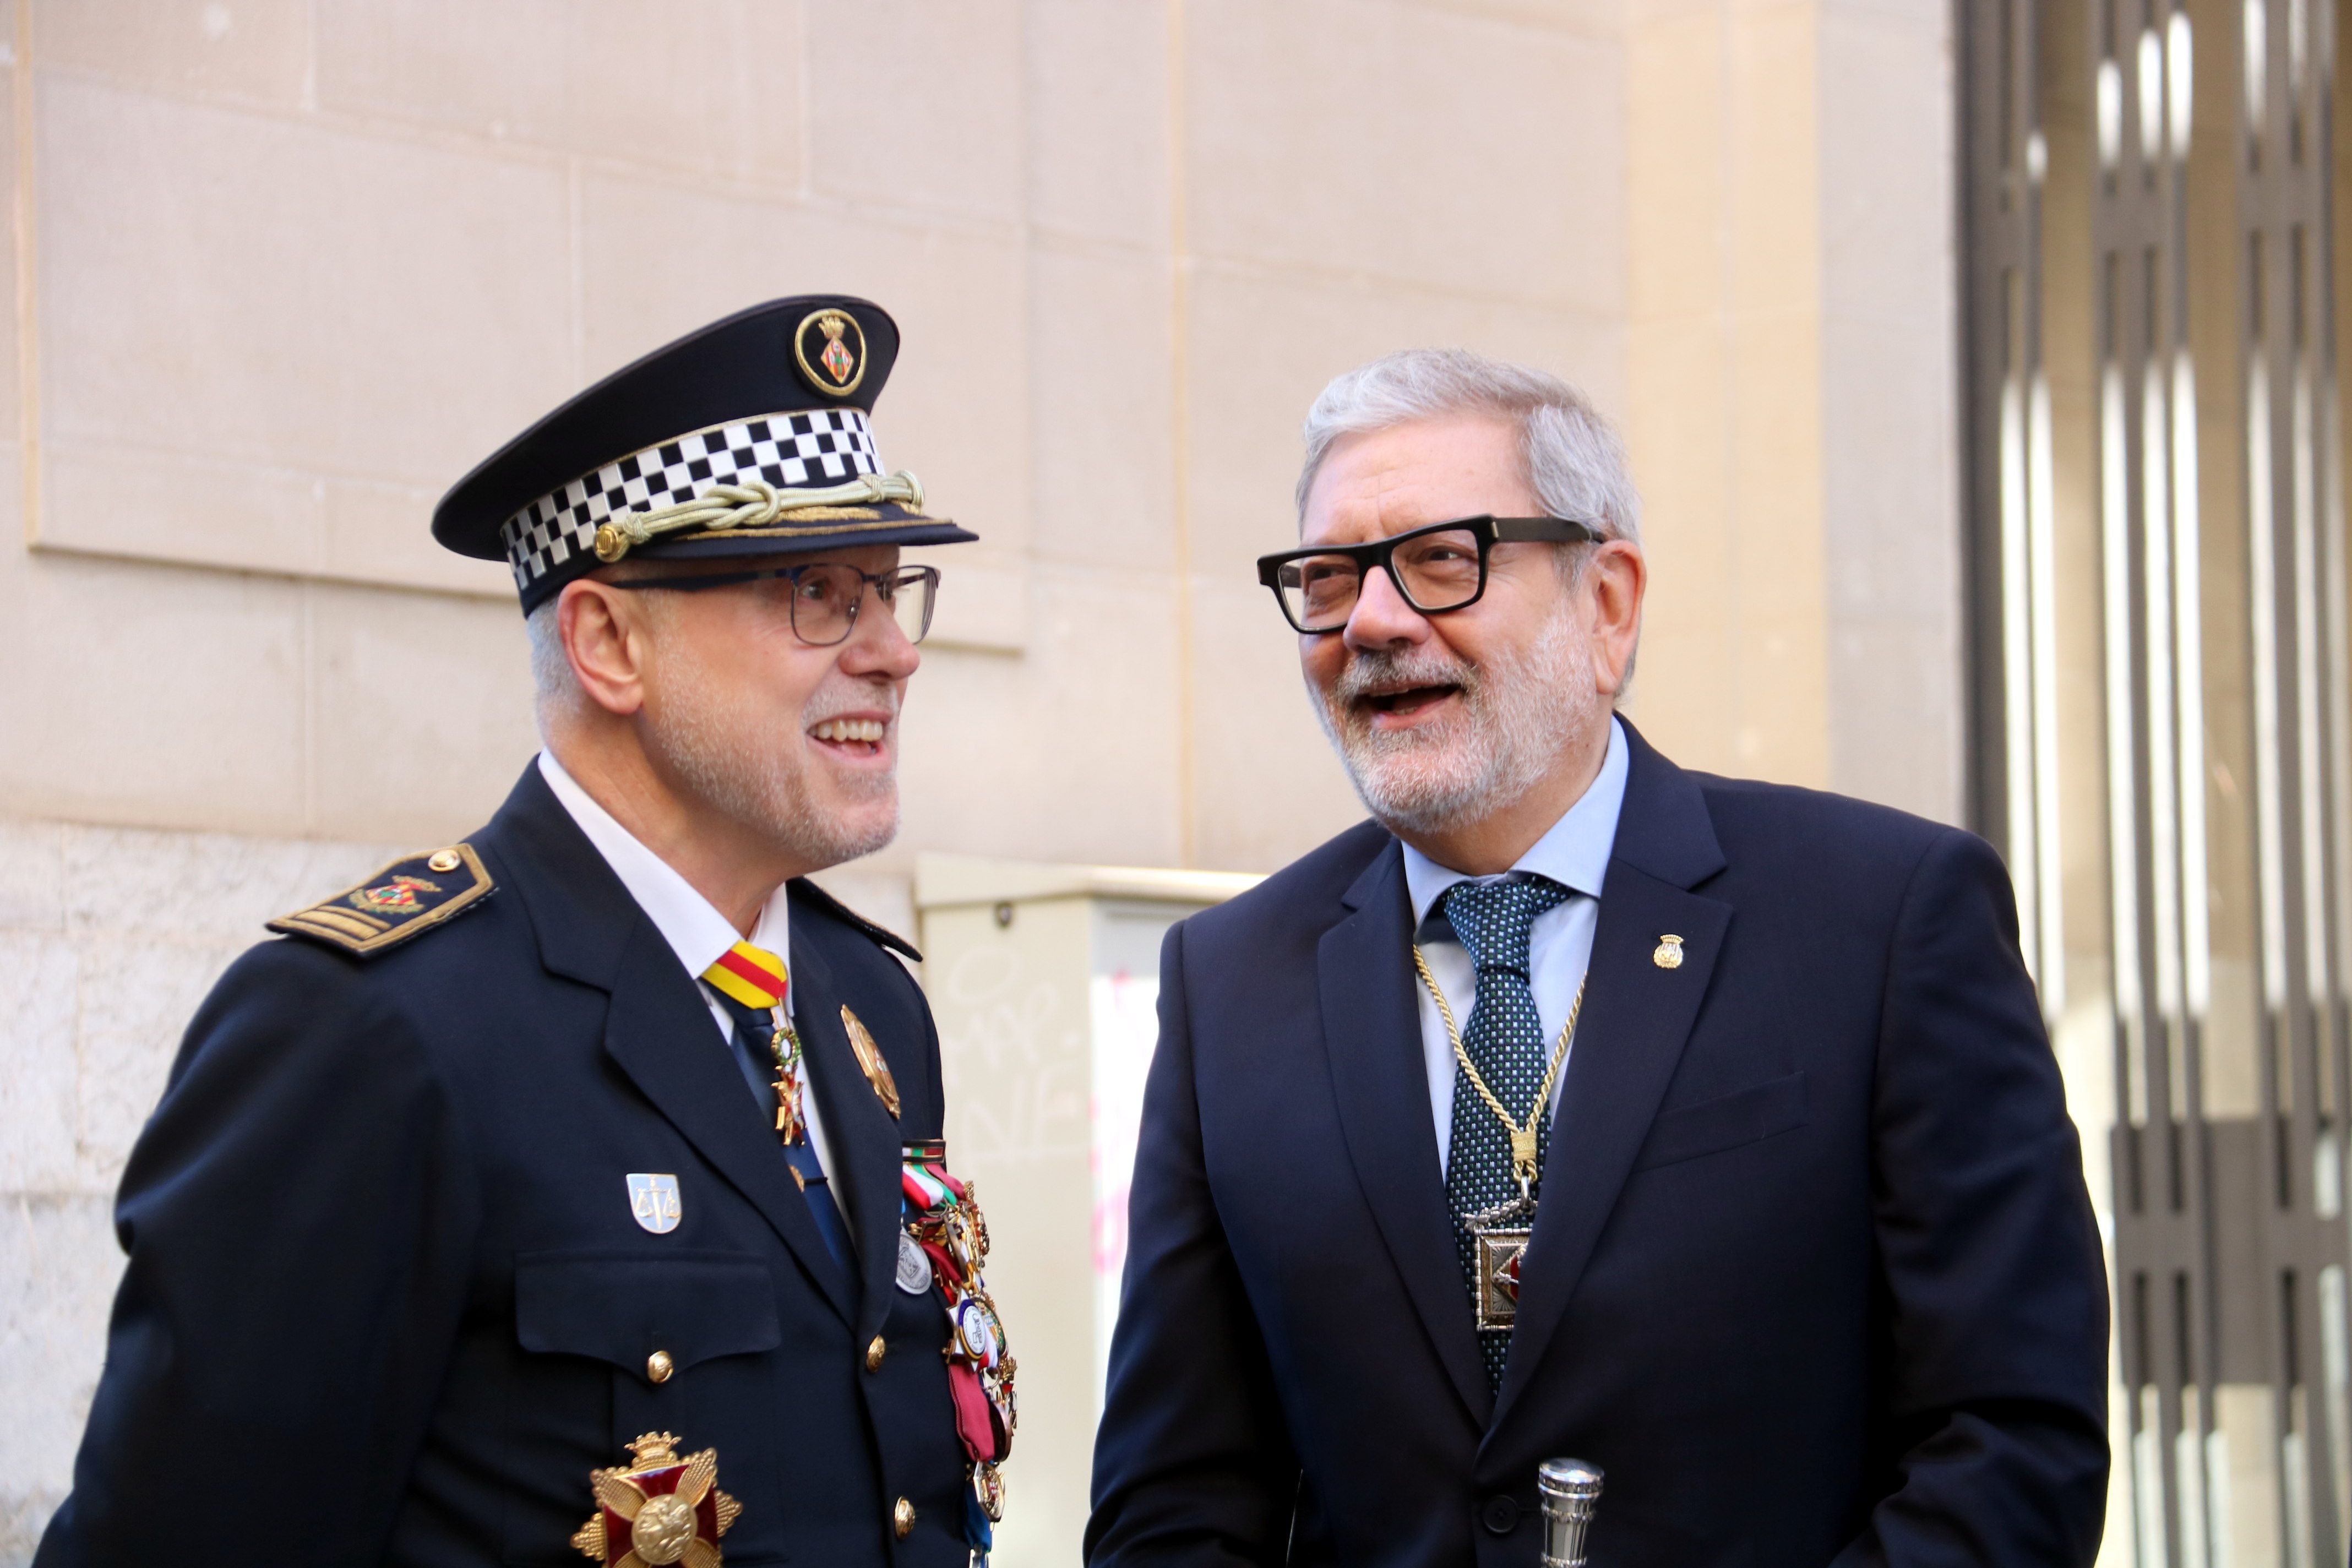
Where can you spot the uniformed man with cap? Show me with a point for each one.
(575, 1190)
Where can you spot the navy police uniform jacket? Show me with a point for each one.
(386, 1301)
(1814, 1278)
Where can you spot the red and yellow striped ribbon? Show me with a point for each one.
(752, 976)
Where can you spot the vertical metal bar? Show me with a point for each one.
(1991, 34)
(2296, 618)
(2013, 626)
(2134, 240)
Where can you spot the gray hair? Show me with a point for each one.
(1574, 462)
(551, 668)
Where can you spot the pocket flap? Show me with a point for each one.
(1744, 1116)
(621, 1306)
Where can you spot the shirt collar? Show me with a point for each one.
(1574, 852)
(692, 926)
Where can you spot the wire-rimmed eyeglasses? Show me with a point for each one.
(823, 598)
(1435, 569)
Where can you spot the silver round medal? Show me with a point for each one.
(914, 1266)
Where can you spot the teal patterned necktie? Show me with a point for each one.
(1505, 1040)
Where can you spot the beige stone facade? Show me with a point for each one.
(284, 268)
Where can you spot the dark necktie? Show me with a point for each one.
(1505, 1040)
(754, 1041)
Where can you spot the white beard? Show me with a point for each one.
(1522, 712)
(754, 771)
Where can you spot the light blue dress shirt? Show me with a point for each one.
(1575, 854)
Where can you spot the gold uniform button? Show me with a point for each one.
(443, 860)
(874, 1353)
(902, 1519)
(658, 1366)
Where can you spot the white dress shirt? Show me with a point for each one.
(695, 930)
(1575, 854)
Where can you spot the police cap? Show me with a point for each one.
(750, 436)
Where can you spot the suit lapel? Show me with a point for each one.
(1371, 1031)
(1637, 1018)
(862, 1139)
(663, 1036)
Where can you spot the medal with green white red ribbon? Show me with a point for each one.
(944, 1222)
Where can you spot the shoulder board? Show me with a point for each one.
(834, 907)
(410, 895)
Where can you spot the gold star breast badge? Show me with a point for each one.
(658, 1510)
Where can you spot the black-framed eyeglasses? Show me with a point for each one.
(823, 598)
(1435, 569)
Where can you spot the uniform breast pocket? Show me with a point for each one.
(677, 1343)
(684, 1307)
(680, 1332)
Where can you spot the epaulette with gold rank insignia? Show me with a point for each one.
(411, 895)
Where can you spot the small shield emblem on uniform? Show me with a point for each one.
(653, 1201)
(914, 1266)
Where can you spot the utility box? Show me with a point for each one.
(1045, 980)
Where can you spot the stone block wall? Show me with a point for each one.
(109, 937)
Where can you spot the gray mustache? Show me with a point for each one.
(1369, 671)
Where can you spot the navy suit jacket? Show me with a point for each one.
(1814, 1278)
(386, 1301)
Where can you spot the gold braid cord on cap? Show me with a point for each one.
(755, 503)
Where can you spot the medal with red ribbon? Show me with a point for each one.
(945, 1221)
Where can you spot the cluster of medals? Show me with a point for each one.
(945, 1224)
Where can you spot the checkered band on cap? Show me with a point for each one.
(821, 448)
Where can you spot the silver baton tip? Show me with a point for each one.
(1571, 1489)
(1569, 1478)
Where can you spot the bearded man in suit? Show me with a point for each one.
(1577, 1104)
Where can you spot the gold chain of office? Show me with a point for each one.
(1523, 1138)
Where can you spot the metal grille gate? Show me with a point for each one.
(2210, 557)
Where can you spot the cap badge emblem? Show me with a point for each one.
(653, 1201)
(831, 348)
(658, 1510)
(1669, 954)
(869, 1056)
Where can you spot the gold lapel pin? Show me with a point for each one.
(1669, 954)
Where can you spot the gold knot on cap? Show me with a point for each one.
(754, 503)
(1669, 954)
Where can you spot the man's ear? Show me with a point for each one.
(1618, 576)
(606, 638)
